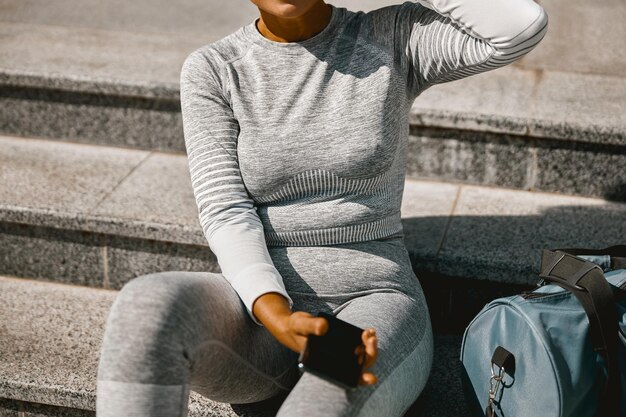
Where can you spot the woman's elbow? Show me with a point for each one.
(536, 28)
(532, 30)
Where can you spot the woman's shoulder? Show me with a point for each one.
(378, 25)
(213, 56)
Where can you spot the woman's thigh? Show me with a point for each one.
(404, 361)
(191, 329)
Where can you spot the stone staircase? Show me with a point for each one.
(500, 166)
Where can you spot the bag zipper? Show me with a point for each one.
(529, 295)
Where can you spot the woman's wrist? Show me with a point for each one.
(272, 309)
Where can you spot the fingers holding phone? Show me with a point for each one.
(300, 325)
(341, 354)
(367, 354)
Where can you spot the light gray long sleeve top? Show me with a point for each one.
(304, 143)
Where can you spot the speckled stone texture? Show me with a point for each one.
(513, 127)
(582, 168)
(426, 208)
(46, 174)
(472, 157)
(495, 101)
(9, 408)
(535, 103)
(129, 258)
(50, 341)
(583, 37)
(166, 191)
(92, 259)
(562, 49)
(46, 410)
(443, 395)
(100, 118)
(498, 234)
(584, 108)
(566, 167)
(48, 253)
(98, 189)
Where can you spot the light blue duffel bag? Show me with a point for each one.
(557, 351)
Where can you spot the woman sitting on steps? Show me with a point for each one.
(296, 130)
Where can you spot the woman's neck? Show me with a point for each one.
(296, 29)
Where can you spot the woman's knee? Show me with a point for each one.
(146, 283)
(194, 304)
(167, 290)
(151, 328)
(154, 305)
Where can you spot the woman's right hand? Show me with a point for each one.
(296, 328)
(288, 327)
(293, 328)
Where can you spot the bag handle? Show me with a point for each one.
(617, 254)
(617, 260)
(586, 281)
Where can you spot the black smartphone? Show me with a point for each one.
(332, 356)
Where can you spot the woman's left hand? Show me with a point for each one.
(367, 353)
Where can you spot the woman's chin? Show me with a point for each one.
(286, 9)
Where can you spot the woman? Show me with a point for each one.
(295, 128)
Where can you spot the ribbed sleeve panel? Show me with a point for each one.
(227, 214)
(447, 40)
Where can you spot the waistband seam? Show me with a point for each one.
(378, 229)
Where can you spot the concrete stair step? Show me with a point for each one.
(50, 344)
(109, 81)
(537, 130)
(98, 216)
(572, 38)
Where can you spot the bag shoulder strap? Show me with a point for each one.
(617, 254)
(586, 281)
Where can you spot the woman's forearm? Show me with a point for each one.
(272, 309)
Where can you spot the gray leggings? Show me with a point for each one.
(171, 332)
